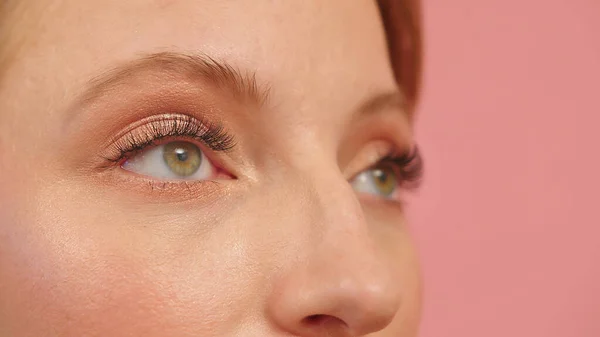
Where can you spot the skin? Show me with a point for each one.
(280, 245)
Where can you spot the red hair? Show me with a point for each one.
(402, 23)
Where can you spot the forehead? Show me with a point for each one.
(295, 45)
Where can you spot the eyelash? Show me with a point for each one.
(213, 135)
(409, 167)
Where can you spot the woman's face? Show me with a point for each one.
(203, 168)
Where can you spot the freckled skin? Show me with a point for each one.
(287, 249)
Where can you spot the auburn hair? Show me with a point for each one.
(402, 23)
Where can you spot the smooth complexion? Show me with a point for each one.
(203, 168)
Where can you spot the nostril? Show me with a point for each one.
(315, 319)
(325, 321)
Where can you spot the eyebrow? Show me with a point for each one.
(192, 66)
(242, 84)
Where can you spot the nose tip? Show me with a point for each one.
(318, 303)
(362, 305)
(339, 282)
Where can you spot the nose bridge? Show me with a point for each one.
(323, 202)
(346, 252)
(340, 274)
(337, 215)
(333, 216)
(336, 204)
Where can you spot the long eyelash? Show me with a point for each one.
(213, 135)
(410, 167)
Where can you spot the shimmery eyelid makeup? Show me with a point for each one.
(149, 131)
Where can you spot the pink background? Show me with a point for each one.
(508, 219)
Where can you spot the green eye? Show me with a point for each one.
(390, 175)
(182, 158)
(385, 180)
(178, 160)
(381, 181)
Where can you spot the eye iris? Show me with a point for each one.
(385, 180)
(182, 158)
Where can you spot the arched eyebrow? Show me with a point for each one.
(202, 68)
(193, 67)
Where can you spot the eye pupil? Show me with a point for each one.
(182, 158)
(182, 154)
(381, 176)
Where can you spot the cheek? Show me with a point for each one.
(68, 285)
(76, 267)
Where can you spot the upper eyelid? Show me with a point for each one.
(140, 135)
(410, 162)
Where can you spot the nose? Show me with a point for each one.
(339, 283)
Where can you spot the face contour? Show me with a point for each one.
(204, 168)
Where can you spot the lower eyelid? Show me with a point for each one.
(395, 202)
(139, 186)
